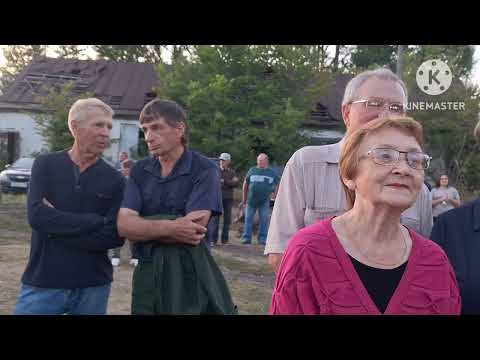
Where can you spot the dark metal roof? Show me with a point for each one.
(328, 109)
(126, 87)
(332, 100)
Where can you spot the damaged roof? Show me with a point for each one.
(126, 87)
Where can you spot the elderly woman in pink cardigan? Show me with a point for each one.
(364, 261)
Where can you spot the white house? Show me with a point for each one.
(126, 87)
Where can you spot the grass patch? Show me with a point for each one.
(9, 222)
(236, 264)
(7, 199)
(251, 298)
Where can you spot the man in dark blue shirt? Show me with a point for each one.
(167, 203)
(458, 232)
(73, 202)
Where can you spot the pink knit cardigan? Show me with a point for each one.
(316, 277)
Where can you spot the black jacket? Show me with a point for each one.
(458, 232)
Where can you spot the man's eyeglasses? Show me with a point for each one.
(379, 104)
(416, 160)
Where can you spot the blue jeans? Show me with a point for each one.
(83, 301)
(263, 213)
(214, 224)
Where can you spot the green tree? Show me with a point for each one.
(365, 57)
(448, 133)
(52, 124)
(130, 53)
(69, 51)
(17, 58)
(458, 57)
(245, 99)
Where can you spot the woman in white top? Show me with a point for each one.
(444, 197)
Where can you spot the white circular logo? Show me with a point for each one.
(434, 77)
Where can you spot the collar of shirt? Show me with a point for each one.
(333, 155)
(476, 215)
(182, 167)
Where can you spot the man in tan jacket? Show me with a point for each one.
(310, 188)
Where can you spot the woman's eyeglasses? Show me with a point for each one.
(416, 160)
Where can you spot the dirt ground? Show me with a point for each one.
(244, 266)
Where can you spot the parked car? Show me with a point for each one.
(16, 177)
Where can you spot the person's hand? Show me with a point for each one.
(46, 202)
(274, 260)
(187, 231)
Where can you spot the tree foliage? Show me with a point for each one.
(448, 133)
(245, 99)
(130, 53)
(17, 58)
(52, 124)
(70, 51)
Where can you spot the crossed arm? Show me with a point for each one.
(189, 229)
(43, 217)
(88, 231)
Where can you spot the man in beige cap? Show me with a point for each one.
(229, 181)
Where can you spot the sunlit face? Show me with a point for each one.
(93, 134)
(224, 163)
(262, 161)
(395, 185)
(162, 138)
(444, 180)
(355, 115)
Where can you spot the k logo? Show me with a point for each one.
(434, 77)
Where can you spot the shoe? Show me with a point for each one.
(134, 262)
(115, 261)
(246, 242)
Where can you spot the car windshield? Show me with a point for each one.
(23, 163)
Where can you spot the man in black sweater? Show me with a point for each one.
(73, 202)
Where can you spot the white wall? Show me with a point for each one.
(31, 142)
(24, 124)
(112, 152)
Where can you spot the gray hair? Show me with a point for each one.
(83, 108)
(381, 73)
